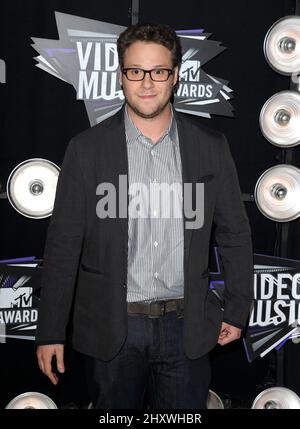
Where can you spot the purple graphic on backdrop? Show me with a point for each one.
(276, 307)
(275, 313)
(19, 279)
(85, 56)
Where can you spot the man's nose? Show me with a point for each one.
(147, 82)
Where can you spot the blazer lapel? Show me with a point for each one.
(117, 126)
(190, 168)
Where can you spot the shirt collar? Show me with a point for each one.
(132, 132)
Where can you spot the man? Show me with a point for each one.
(142, 308)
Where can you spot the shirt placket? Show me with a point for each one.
(155, 209)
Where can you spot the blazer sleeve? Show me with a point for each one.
(62, 251)
(233, 237)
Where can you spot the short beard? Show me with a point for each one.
(151, 115)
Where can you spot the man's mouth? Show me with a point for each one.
(147, 96)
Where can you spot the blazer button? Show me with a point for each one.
(124, 284)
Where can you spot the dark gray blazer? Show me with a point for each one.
(85, 259)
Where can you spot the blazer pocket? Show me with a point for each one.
(92, 270)
(206, 178)
(205, 273)
(214, 306)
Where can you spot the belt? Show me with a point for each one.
(155, 308)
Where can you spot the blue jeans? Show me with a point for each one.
(151, 370)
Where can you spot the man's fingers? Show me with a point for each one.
(60, 360)
(49, 373)
(45, 355)
(224, 341)
(225, 338)
(46, 369)
(228, 333)
(52, 377)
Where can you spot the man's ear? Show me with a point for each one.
(120, 76)
(176, 75)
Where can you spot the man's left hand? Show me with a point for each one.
(228, 333)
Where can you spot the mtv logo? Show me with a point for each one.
(190, 71)
(19, 298)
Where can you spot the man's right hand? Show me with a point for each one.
(45, 355)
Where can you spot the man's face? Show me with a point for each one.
(146, 97)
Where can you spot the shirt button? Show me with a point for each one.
(156, 275)
(155, 243)
(155, 212)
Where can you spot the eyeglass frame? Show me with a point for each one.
(124, 71)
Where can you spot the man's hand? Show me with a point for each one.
(45, 355)
(228, 333)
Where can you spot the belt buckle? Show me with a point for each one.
(163, 308)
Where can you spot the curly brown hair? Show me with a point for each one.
(156, 33)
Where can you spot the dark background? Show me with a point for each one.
(39, 114)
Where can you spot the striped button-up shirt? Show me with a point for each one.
(155, 240)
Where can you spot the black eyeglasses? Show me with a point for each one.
(157, 75)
